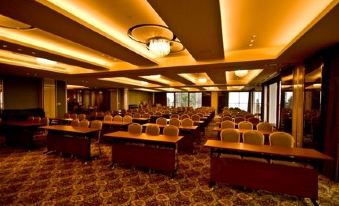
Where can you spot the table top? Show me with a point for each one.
(116, 123)
(244, 130)
(67, 128)
(141, 118)
(303, 153)
(22, 123)
(143, 136)
(180, 127)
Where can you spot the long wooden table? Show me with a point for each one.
(154, 152)
(20, 133)
(190, 135)
(70, 140)
(300, 181)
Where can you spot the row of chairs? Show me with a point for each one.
(153, 130)
(253, 120)
(262, 126)
(118, 118)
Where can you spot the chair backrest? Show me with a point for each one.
(117, 118)
(282, 139)
(153, 129)
(108, 118)
(230, 135)
(239, 119)
(74, 116)
(200, 114)
(245, 125)
(171, 130)
(135, 128)
(264, 127)
(96, 124)
(45, 121)
(253, 137)
(36, 120)
(67, 116)
(184, 116)
(195, 117)
(227, 124)
(127, 119)
(229, 118)
(174, 116)
(161, 121)
(84, 123)
(146, 115)
(175, 122)
(75, 123)
(247, 116)
(254, 120)
(82, 116)
(187, 122)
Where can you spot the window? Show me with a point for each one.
(181, 99)
(1, 96)
(256, 107)
(288, 100)
(265, 102)
(238, 99)
(272, 115)
(195, 99)
(170, 99)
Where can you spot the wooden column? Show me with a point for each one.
(214, 101)
(298, 104)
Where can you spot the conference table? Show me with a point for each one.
(154, 152)
(70, 140)
(190, 135)
(20, 133)
(282, 178)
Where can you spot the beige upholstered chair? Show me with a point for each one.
(254, 120)
(227, 124)
(229, 118)
(245, 125)
(36, 120)
(98, 125)
(84, 123)
(82, 116)
(161, 121)
(174, 116)
(281, 139)
(200, 115)
(108, 118)
(135, 128)
(175, 122)
(253, 137)
(75, 123)
(195, 117)
(186, 122)
(153, 130)
(184, 116)
(117, 118)
(239, 119)
(230, 135)
(171, 130)
(264, 127)
(127, 119)
(74, 116)
(67, 116)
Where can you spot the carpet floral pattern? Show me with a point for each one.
(34, 178)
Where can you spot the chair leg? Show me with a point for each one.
(99, 148)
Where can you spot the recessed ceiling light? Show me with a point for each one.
(250, 45)
(45, 61)
(33, 52)
(202, 80)
(241, 73)
(144, 83)
(252, 40)
(19, 49)
(4, 45)
(254, 36)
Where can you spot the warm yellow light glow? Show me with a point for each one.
(162, 79)
(126, 80)
(146, 90)
(23, 60)
(159, 47)
(47, 42)
(241, 73)
(234, 88)
(191, 89)
(197, 78)
(170, 89)
(70, 86)
(232, 79)
(211, 88)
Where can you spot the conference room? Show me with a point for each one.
(195, 102)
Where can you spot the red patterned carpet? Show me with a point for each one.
(33, 178)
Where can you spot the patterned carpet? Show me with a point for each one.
(33, 178)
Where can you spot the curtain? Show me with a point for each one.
(330, 112)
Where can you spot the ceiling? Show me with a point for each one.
(85, 42)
